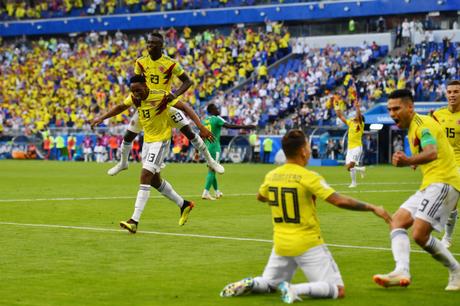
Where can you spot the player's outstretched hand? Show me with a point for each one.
(96, 121)
(400, 159)
(206, 134)
(382, 213)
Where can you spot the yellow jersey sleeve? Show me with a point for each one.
(439, 170)
(178, 70)
(128, 101)
(138, 67)
(450, 123)
(317, 185)
(263, 189)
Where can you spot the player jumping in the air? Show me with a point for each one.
(159, 71)
(157, 134)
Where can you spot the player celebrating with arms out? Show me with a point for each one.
(355, 143)
(157, 135)
(429, 208)
(214, 123)
(159, 70)
(290, 191)
(449, 118)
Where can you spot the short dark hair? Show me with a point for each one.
(453, 83)
(210, 107)
(138, 78)
(158, 35)
(403, 94)
(292, 142)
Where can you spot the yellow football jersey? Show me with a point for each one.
(451, 125)
(439, 170)
(156, 126)
(158, 73)
(355, 134)
(292, 191)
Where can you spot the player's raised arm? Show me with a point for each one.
(186, 83)
(340, 114)
(359, 116)
(345, 202)
(118, 109)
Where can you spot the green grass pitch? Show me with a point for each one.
(61, 244)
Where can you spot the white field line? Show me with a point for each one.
(185, 196)
(100, 229)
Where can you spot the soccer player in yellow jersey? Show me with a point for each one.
(429, 208)
(157, 134)
(355, 143)
(449, 118)
(291, 192)
(159, 71)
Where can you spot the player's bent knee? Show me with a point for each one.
(146, 176)
(401, 219)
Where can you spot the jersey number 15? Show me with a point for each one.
(450, 132)
(294, 203)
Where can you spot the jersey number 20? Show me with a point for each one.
(284, 203)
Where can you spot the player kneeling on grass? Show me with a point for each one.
(291, 190)
(429, 208)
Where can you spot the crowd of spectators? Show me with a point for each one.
(424, 69)
(302, 86)
(60, 83)
(36, 9)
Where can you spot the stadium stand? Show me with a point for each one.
(257, 74)
(24, 10)
(97, 69)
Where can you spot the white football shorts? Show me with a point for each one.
(153, 155)
(354, 155)
(433, 204)
(317, 264)
(177, 120)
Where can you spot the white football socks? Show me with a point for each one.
(353, 176)
(199, 144)
(142, 197)
(261, 285)
(317, 290)
(125, 149)
(439, 252)
(166, 190)
(400, 246)
(450, 226)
